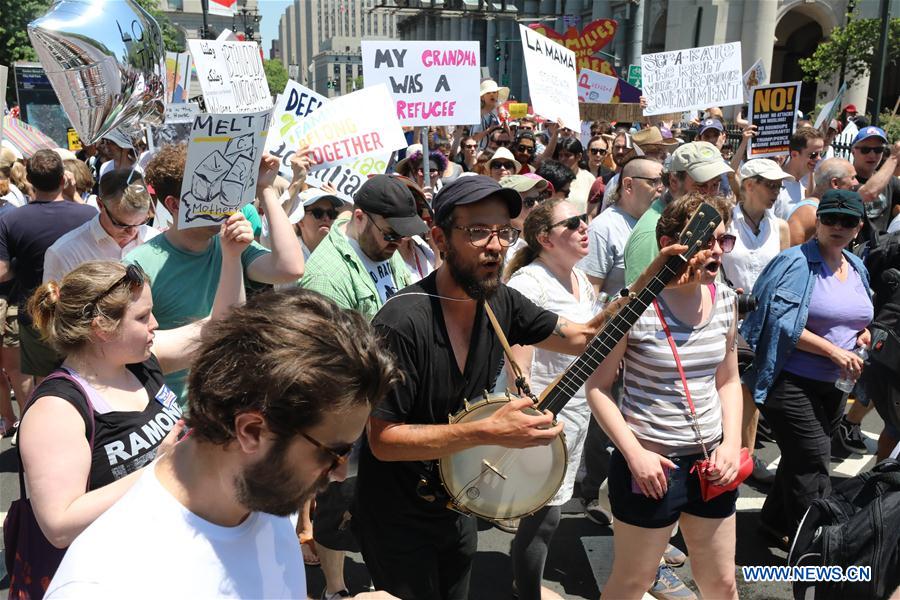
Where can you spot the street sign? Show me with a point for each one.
(634, 75)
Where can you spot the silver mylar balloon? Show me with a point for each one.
(106, 61)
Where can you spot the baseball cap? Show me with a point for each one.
(468, 190)
(850, 108)
(711, 124)
(841, 202)
(523, 184)
(384, 195)
(701, 160)
(867, 132)
(295, 210)
(765, 168)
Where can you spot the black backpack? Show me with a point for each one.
(859, 524)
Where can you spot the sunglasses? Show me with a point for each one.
(481, 236)
(502, 164)
(389, 236)
(833, 220)
(814, 154)
(321, 213)
(530, 201)
(503, 143)
(134, 278)
(775, 186)
(600, 151)
(338, 457)
(726, 242)
(572, 223)
(876, 150)
(120, 225)
(526, 149)
(470, 146)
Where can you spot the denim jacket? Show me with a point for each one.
(783, 290)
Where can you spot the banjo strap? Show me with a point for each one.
(521, 383)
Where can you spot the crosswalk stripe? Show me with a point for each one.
(748, 503)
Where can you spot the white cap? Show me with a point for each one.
(296, 208)
(765, 168)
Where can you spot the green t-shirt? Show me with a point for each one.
(252, 215)
(184, 285)
(642, 247)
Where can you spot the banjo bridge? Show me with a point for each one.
(489, 466)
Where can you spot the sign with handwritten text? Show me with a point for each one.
(552, 81)
(596, 87)
(432, 83)
(231, 76)
(222, 166)
(694, 78)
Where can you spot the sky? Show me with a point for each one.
(271, 11)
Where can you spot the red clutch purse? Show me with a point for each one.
(711, 490)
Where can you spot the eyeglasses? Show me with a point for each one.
(726, 242)
(481, 236)
(390, 237)
(526, 149)
(338, 457)
(653, 181)
(775, 186)
(876, 150)
(600, 151)
(572, 223)
(321, 213)
(134, 278)
(502, 164)
(118, 224)
(470, 146)
(833, 220)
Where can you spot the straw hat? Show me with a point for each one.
(489, 85)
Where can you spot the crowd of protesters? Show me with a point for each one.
(118, 327)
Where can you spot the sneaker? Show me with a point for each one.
(850, 437)
(761, 473)
(594, 511)
(507, 525)
(669, 587)
(674, 557)
(335, 595)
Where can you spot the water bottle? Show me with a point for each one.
(845, 384)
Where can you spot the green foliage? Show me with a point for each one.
(891, 125)
(276, 75)
(14, 42)
(857, 43)
(173, 37)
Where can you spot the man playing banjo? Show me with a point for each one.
(415, 546)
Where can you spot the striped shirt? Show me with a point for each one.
(654, 404)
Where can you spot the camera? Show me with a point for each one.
(746, 303)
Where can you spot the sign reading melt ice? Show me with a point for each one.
(773, 109)
(552, 78)
(222, 166)
(231, 76)
(695, 78)
(432, 83)
(339, 131)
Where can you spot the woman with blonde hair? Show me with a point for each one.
(544, 271)
(106, 412)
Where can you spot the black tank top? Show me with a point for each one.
(124, 441)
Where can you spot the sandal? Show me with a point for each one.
(308, 549)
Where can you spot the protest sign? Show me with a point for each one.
(517, 110)
(773, 109)
(178, 76)
(349, 177)
(693, 78)
(222, 166)
(624, 112)
(552, 78)
(585, 43)
(829, 111)
(177, 127)
(432, 83)
(596, 87)
(74, 142)
(754, 76)
(231, 76)
(634, 75)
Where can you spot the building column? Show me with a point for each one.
(760, 19)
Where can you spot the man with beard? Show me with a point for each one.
(413, 545)
(212, 514)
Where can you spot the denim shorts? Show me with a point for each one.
(682, 496)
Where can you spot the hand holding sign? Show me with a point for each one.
(268, 171)
(236, 234)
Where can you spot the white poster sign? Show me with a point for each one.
(596, 87)
(231, 76)
(432, 83)
(755, 75)
(177, 127)
(222, 166)
(552, 81)
(695, 78)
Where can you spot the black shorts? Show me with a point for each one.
(683, 496)
(331, 520)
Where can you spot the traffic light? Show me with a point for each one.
(497, 50)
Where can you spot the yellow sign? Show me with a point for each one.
(517, 110)
(74, 140)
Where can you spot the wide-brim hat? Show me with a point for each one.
(647, 140)
(503, 153)
(489, 85)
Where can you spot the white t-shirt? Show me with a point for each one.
(751, 252)
(895, 225)
(422, 262)
(111, 164)
(607, 236)
(788, 198)
(381, 273)
(153, 547)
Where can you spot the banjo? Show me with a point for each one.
(494, 482)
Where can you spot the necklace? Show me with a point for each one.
(747, 217)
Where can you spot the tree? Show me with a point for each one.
(858, 44)
(173, 37)
(14, 42)
(276, 75)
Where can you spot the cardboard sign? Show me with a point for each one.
(596, 87)
(432, 83)
(552, 78)
(773, 109)
(634, 75)
(231, 76)
(755, 76)
(830, 110)
(222, 166)
(695, 78)
(622, 112)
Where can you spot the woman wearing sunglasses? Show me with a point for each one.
(569, 152)
(599, 158)
(657, 440)
(103, 415)
(544, 271)
(814, 307)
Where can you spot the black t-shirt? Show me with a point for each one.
(433, 389)
(124, 441)
(890, 197)
(25, 235)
